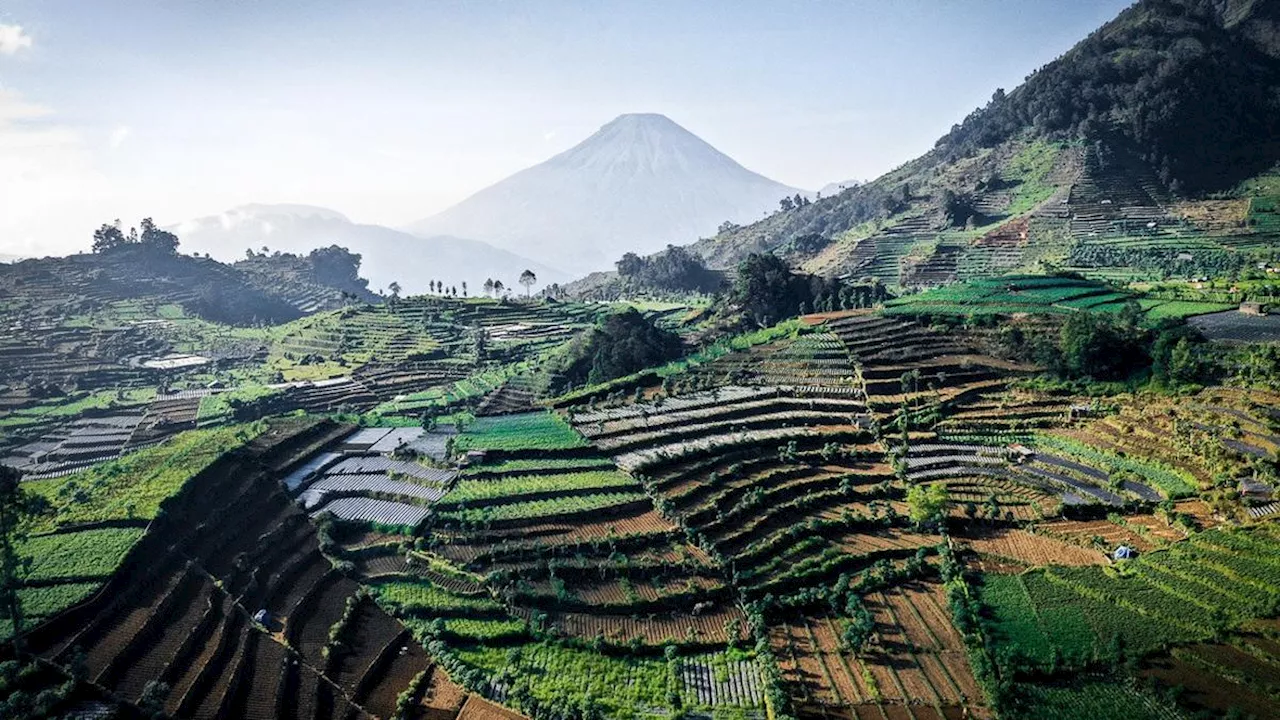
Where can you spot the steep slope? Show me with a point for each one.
(1099, 162)
(637, 184)
(386, 255)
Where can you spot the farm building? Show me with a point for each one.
(1251, 489)
(1253, 308)
(1124, 552)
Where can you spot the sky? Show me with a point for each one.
(390, 111)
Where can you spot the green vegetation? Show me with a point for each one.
(424, 598)
(720, 348)
(1172, 483)
(1089, 699)
(515, 467)
(64, 408)
(530, 431)
(470, 492)
(624, 343)
(533, 509)
(82, 554)
(1187, 592)
(1012, 294)
(134, 487)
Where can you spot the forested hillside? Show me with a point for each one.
(1142, 153)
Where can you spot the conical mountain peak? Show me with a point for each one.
(638, 183)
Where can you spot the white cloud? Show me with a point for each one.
(13, 39)
(51, 189)
(118, 136)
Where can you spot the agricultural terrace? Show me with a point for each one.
(676, 369)
(527, 431)
(1039, 294)
(915, 663)
(176, 621)
(559, 532)
(1190, 591)
(1013, 294)
(382, 477)
(513, 573)
(133, 488)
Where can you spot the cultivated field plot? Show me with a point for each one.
(915, 666)
(1171, 447)
(180, 610)
(360, 480)
(1214, 581)
(1237, 674)
(534, 508)
(1234, 326)
(1012, 294)
(74, 446)
(1031, 549)
(703, 684)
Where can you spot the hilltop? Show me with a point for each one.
(387, 255)
(200, 286)
(638, 183)
(1142, 153)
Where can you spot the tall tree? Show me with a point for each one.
(488, 286)
(464, 288)
(527, 279)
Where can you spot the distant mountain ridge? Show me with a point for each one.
(639, 183)
(387, 255)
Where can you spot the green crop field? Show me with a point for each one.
(480, 492)
(133, 487)
(1187, 592)
(85, 554)
(1089, 699)
(531, 431)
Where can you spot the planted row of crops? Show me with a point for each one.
(364, 480)
(133, 487)
(176, 622)
(1190, 591)
(571, 554)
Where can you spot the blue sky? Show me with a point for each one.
(391, 111)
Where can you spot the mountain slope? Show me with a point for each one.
(386, 255)
(1100, 162)
(637, 184)
(82, 284)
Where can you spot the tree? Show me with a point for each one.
(16, 505)
(464, 288)
(625, 342)
(527, 279)
(498, 287)
(928, 503)
(488, 286)
(157, 239)
(1099, 346)
(338, 267)
(108, 237)
(394, 287)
